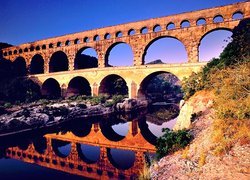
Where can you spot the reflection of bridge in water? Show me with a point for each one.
(47, 151)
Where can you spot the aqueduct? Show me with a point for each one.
(54, 59)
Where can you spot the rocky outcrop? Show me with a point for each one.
(128, 105)
(192, 108)
(198, 160)
(37, 116)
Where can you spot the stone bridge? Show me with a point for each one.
(45, 58)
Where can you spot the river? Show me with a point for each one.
(114, 147)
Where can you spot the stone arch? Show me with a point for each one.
(215, 29)
(218, 19)
(207, 33)
(79, 86)
(37, 64)
(158, 96)
(124, 63)
(88, 153)
(157, 28)
(51, 89)
(19, 66)
(144, 30)
(59, 44)
(26, 49)
(50, 45)
(185, 24)
(58, 62)
(121, 159)
(32, 48)
(15, 51)
(118, 34)
(20, 51)
(84, 61)
(61, 148)
(77, 41)
(86, 40)
(237, 15)
(113, 84)
(96, 38)
(38, 48)
(201, 21)
(107, 36)
(156, 39)
(170, 26)
(44, 46)
(67, 43)
(131, 32)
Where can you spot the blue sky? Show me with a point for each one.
(29, 20)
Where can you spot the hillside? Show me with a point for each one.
(202, 158)
(216, 113)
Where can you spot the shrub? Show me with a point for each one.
(237, 52)
(7, 105)
(98, 99)
(108, 103)
(22, 90)
(117, 98)
(171, 141)
(232, 86)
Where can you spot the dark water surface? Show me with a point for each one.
(97, 148)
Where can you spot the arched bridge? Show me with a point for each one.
(47, 57)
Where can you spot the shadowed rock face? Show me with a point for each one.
(191, 109)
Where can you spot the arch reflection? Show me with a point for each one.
(121, 159)
(61, 148)
(88, 153)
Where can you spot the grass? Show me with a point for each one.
(145, 173)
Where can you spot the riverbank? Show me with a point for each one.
(44, 113)
(204, 158)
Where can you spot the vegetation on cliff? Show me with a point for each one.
(229, 78)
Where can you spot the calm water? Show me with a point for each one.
(97, 148)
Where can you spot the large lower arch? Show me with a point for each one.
(58, 62)
(79, 86)
(213, 42)
(86, 58)
(51, 89)
(161, 86)
(19, 66)
(164, 49)
(119, 54)
(113, 85)
(37, 65)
